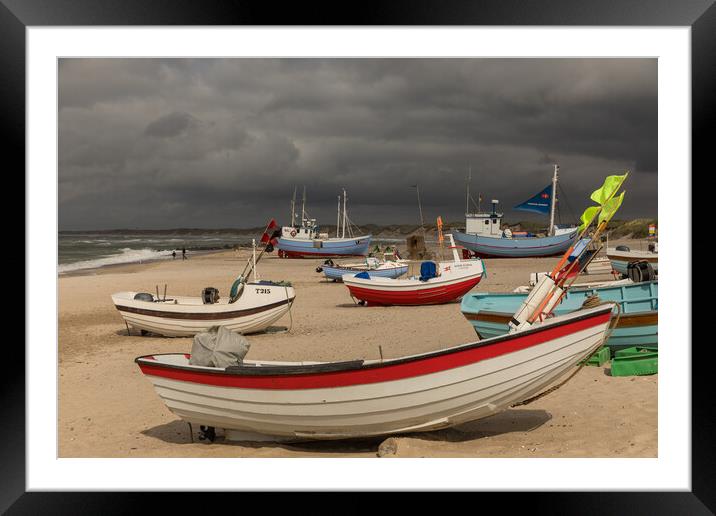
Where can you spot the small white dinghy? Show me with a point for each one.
(308, 400)
(251, 306)
(260, 305)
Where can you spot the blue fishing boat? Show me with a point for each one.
(307, 241)
(373, 266)
(485, 237)
(490, 314)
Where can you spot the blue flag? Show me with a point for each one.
(539, 203)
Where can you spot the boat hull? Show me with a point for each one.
(489, 314)
(334, 247)
(456, 281)
(427, 296)
(337, 273)
(620, 260)
(250, 314)
(515, 247)
(419, 393)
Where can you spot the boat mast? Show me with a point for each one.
(420, 207)
(253, 257)
(293, 208)
(554, 200)
(344, 213)
(467, 195)
(303, 208)
(338, 219)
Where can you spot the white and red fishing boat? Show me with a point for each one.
(259, 400)
(439, 282)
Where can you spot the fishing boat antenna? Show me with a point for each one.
(555, 178)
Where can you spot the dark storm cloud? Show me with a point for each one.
(170, 125)
(222, 143)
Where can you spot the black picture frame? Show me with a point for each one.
(700, 15)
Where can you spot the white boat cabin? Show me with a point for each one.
(309, 230)
(484, 224)
(490, 224)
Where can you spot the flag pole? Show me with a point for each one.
(560, 282)
(255, 260)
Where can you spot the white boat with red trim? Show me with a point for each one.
(255, 307)
(438, 283)
(260, 400)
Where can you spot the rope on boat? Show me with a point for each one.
(589, 302)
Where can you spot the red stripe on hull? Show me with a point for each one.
(382, 373)
(426, 296)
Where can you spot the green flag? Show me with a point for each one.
(608, 189)
(588, 216)
(610, 208)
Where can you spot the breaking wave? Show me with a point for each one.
(125, 255)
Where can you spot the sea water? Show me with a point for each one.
(77, 251)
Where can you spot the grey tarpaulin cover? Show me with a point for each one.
(218, 347)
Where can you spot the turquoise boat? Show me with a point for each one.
(490, 314)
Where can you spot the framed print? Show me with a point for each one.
(410, 249)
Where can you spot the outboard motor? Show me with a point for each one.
(328, 263)
(640, 271)
(210, 295)
(144, 296)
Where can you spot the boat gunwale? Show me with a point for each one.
(354, 365)
(226, 313)
(626, 320)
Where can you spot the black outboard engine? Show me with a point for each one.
(144, 296)
(210, 295)
(328, 262)
(640, 271)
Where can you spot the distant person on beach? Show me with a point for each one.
(174, 255)
(183, 253)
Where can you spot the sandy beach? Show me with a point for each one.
(108, 409)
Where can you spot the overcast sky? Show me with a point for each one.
(165, 143)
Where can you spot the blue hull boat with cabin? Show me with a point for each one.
(387, 268)
(490, 314)
(485, 237)
(307, 241)
(491, 247)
